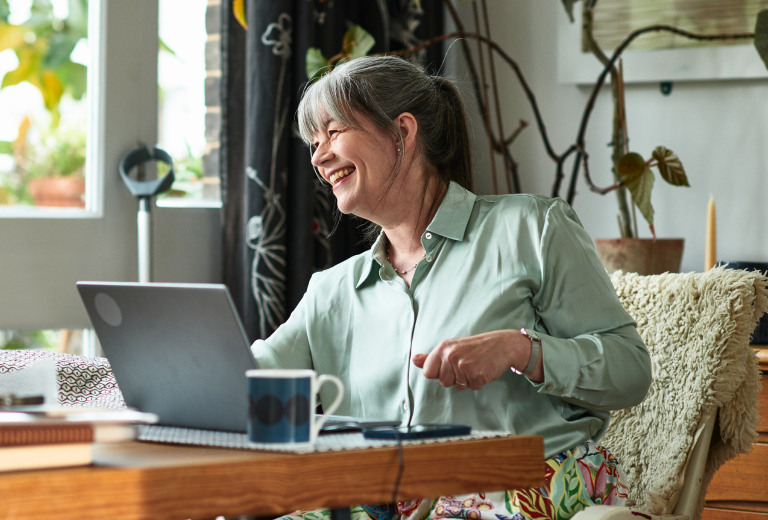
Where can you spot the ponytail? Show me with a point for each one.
(451, 148)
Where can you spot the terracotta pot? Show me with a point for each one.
(640, 255)
(62, 192)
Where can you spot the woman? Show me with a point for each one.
(492, 311)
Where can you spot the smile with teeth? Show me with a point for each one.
(341, 174)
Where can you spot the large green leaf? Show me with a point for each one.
(761, 35)
(74, 76)
(60, 46)
(670, 167)
(569, 8)
(29, 66)
(316, 63)
(357, 42)
(11, 36)
(638, 178)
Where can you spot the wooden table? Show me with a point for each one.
(141, 480)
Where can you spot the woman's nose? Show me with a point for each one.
(321, 154)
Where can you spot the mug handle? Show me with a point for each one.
(326, 378)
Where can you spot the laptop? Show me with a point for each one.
(181, 352)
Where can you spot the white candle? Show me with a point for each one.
(710, 248)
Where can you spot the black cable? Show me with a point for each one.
(345, 426)
(400, 469)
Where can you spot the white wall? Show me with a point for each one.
(719, 129)
(41, 259)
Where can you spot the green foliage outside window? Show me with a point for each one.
(43, 45)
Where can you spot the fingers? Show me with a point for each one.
(471, 362)
(431, 365)
(441, 364)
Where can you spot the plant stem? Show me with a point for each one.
(484, 93)
(508, 169)
(619, 126)
(580, 140)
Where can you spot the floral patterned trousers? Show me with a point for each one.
(575, 479)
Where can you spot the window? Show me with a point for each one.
(42, 258)
(182, 114)
(44, 57)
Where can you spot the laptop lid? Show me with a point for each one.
(177, 350)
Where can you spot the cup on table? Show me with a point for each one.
(281, 405)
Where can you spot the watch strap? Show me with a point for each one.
(535, 352)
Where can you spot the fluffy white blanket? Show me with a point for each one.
(697, 328)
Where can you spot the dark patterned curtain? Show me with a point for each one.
(276, 214)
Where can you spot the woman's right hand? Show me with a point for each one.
(475, 361)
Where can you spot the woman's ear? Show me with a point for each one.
(408, 128)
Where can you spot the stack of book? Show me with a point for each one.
(62, 437)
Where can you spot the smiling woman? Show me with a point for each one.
(423, 133)
(488, 311)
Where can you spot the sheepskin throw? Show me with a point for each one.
(697, 328)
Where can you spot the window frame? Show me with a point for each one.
(41, 258)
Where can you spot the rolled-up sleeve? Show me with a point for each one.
(592, 353)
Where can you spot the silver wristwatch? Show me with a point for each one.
(535, 351)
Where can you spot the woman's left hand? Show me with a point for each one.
(475, 361)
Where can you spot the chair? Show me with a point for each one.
(701, 408)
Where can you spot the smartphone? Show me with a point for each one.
(418, 431)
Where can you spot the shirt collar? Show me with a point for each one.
(375, 254)
(453, 214)
(450, 221)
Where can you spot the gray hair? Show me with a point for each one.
(383, 87)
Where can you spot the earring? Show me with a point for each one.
(398, 151)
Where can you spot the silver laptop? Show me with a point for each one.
(180, 351)
(177, 350)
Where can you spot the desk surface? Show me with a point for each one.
(141, 480)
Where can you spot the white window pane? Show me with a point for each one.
(181, 77)
(43, 105)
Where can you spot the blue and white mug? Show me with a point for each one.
(281, 405)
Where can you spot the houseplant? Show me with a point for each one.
(52, 170)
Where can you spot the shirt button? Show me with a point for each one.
(550, 388)
(405, 406)
(429, 258)
(428, 236)
(565, 391)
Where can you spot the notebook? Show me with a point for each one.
(179, 351)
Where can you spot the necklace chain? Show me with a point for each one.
(407, 270)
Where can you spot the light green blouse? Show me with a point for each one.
(492, 263)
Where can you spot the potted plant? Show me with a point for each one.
(633, 176)
(52, 170)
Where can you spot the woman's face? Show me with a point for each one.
(358, 163)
